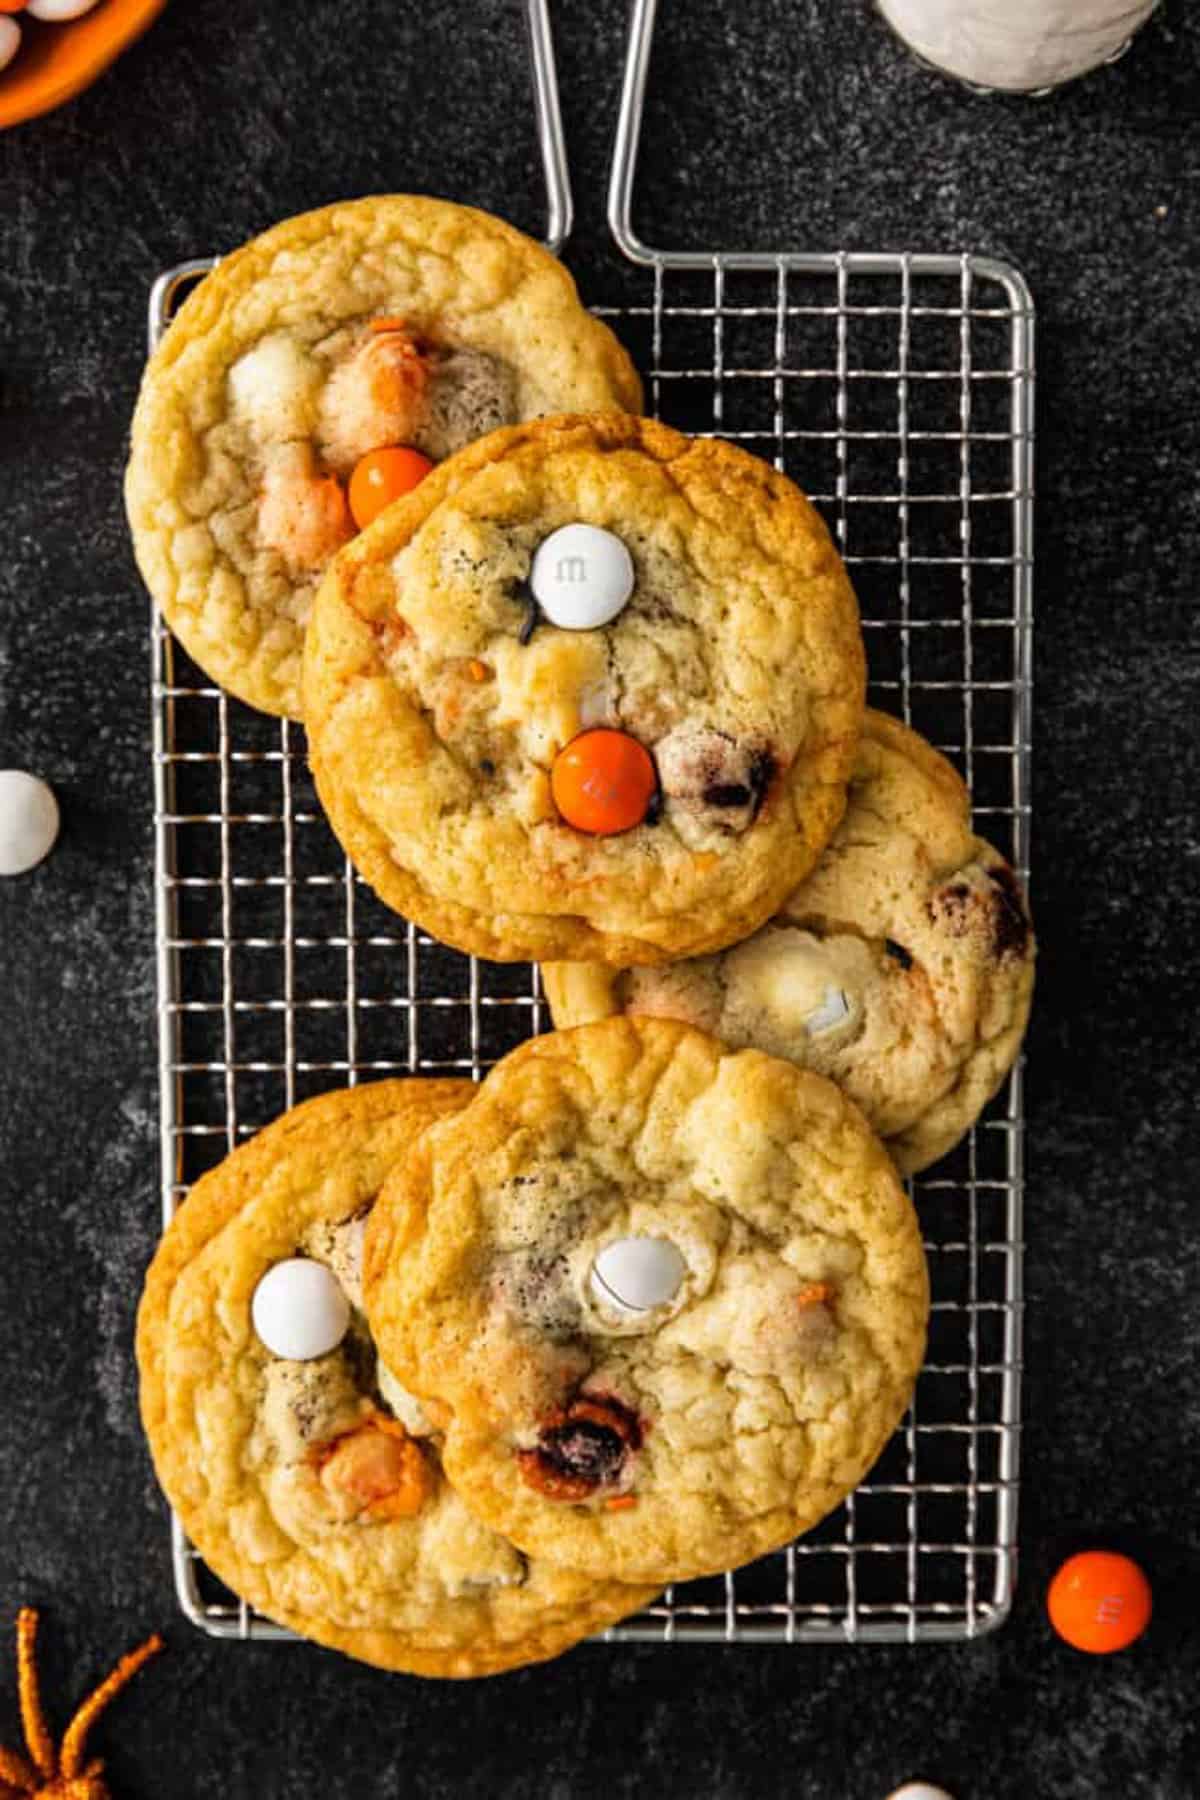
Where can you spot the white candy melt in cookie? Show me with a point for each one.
(582, 577)
(299, 1310)
(833, 1010)
(637, 1274)
(28, 810)
(274, 388)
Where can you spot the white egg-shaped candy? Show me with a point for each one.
(636, 1274)
(59, 11)
(28, 817)
(10, 40)
(299, 1310)
(920, 1790)
(582, 576)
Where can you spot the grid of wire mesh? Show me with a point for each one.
(901, 401)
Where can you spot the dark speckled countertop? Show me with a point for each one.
(783, 122)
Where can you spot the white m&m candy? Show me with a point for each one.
(10, 40)
(582, 576)
(28, 818)
(636, 1274)
(59, 11)
(919, 1790)
(299, 1310)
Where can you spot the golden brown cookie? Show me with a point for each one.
(313, 1487)
(667, 1301)
(395, 320)
(902, 968)
(438, 724)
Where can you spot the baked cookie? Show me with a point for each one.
(645, 782)
(902, 968)
(303, 1473)
(392, 321)
(667, 1300)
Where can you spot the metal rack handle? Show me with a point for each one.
(620, 205)
(560, 208)
(547, 115)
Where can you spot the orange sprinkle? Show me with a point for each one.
(621, 1502)
(815, 1294)
(478, 671)
(390, 322)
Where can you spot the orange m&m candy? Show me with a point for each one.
(603, 782)
(1099, 1601)
(380, 477)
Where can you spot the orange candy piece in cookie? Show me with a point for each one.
(380, 477)
(380, 1470)
(603, 782)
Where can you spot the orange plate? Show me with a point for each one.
(56, 62)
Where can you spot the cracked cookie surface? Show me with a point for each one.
(314, 1488)
(275, 377)
(435, 718)
(714, 1425)
(902, 969)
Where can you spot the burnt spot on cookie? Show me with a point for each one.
(1010, 921)
(531, 612)
(951, 907)
(582, 1448)
(898, 953)
(764, 766)
(730, 794)
(992, 906)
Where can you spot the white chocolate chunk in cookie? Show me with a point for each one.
(400, 1403)
(464, 1555)
(274, 389)
(778, 986)
(307, 1403)
(340, 1247)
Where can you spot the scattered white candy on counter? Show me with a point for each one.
(832, 1012)
(582, 577)
(57, 12)
(28, 814)
(920, 1790)
(299, 1310)
(10, 39)
(636, 1274)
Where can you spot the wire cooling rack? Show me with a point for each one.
(898, 391)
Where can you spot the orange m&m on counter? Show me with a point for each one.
(1099, 1601)
(380, 477)
(603, 782)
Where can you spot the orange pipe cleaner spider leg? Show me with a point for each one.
(93, 1706)
(38, 1741)
(17, 1776)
